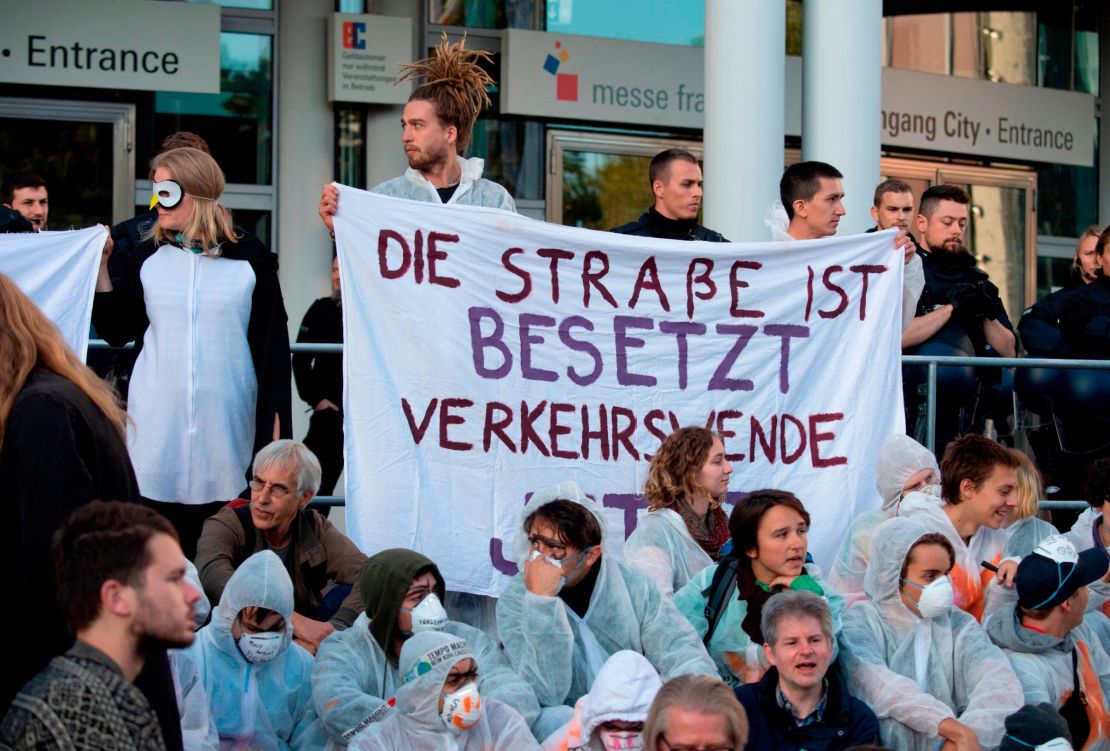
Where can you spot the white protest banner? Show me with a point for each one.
(57, 270)
(489, 355)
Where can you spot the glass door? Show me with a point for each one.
(83, 150)
(600, 181)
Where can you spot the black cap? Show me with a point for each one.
(1054, 571)
(1033, 725)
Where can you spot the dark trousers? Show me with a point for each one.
(325, 439)
(187, 520)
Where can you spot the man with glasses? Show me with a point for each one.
(572, 605)
(322, 562)
(357, 672)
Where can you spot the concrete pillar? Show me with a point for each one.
(745, 60)
(1104, 119)
(305, 132)
(842, 97)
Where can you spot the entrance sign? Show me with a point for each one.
(112, 44)
(489, 355)
(365, 55)
(57, 270)
(616, 81)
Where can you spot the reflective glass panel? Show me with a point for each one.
(237, 122)
(250, 4)
(996, 237)
(1067, 199)
(662, 21)
(602, 191)
(74, 158)
(513, 150)
(485, 14)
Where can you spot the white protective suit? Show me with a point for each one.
(198, 731)
(900, 458)
(737, 658)
(914, 672)
(1084, 536)
(1025, 534)
(473, 190)
(266, 705)
(425, 661)
(662, 547)
(624, 689)
(977, 591)
(559, 654)
(352, 680)
(1043, 664)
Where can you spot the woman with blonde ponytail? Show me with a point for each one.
(61, 446)
(211, 383)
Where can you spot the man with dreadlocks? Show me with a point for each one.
(436, 126)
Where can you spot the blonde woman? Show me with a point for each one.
(685, 526)
(1026, 529)
(211, 384)
(61, 446)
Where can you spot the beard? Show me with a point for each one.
(424, 160)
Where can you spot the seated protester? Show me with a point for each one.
(926, 669)
(979, 488)
(1024, 528)
(356, 672)
(258, 682)
(1036, 726)
(439, 705)
(322, 563)
(120, 583)
(1040, 323)
(904, 466)
(769, 536)
(1085, 312)
(695, 711)
(1091, 529)
(573, 605)
(799, 703)
(685, 528)
(198, 731)
(1056, 657)
(612, 715)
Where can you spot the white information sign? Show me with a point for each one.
(616, 81)
(112, 44)
(365, 55)
(489, 355)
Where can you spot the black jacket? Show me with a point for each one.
(1085, 320)
(943, 272)
(120, 317)
(847, 721)
(320, 376)
(653, 224)
(1040, 323)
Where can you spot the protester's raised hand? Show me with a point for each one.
(329, 204)
(903, 242)
(1007, 570)
(541, 577)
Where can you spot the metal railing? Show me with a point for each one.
(931, 361)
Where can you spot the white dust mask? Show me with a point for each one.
(428, 615)
(936, 597)
(462, 708)
(261, 647)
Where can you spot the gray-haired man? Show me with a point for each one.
(322, 562)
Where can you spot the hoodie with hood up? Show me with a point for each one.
(263, 705)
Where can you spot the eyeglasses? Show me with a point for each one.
(454, 680)
(548, 546)
(672, 747)
(277, 490)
